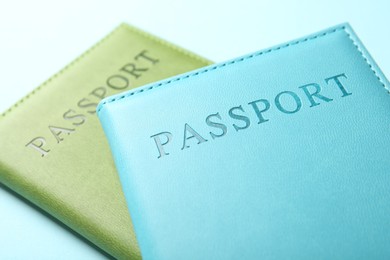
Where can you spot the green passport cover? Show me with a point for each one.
(54, 152)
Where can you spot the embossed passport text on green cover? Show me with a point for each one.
(53, 150)
(280, 154)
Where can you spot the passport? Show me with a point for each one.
(278, 154)
(53, 150)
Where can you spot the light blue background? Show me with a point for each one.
(38, 38)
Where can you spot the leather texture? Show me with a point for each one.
(279, 154)
(53, 150)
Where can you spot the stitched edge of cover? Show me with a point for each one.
(67, 67)
(168, 44)
(372, 67)
(87, 52)
(343, 28)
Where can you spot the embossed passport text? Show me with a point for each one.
(53, 150)
(279, 154)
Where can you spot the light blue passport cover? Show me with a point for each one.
(280, 154)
